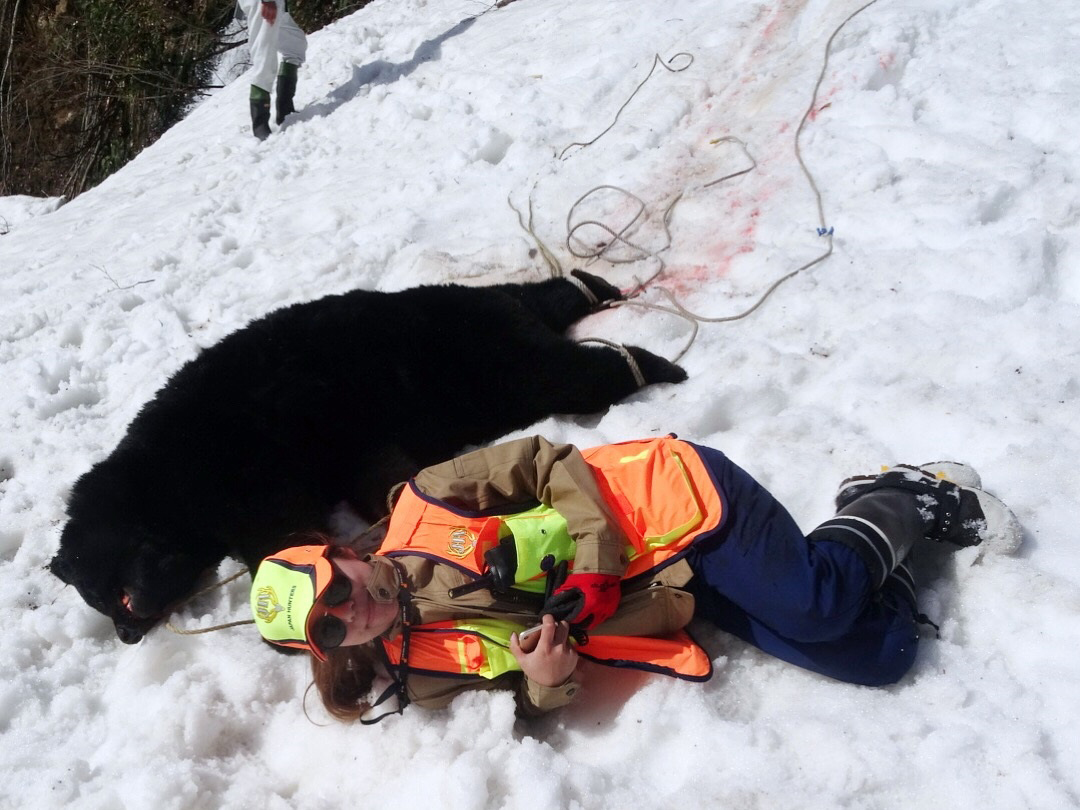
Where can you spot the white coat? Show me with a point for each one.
(266, 41)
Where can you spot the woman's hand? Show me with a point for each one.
(549, 659)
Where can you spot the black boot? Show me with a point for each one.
(902, 583)
(260, 113)
(285, 91)
(881, 526)
(953, 507)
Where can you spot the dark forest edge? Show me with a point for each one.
(85, 85)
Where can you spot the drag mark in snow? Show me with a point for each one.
(766, 105)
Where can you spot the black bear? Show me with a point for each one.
(332, 400)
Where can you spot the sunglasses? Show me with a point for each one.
(327, 632)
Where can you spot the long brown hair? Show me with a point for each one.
(344, 680)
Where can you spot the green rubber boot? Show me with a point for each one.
(260, 113)
(286, 90)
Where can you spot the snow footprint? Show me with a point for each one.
(494, 147)
(59, 381)
(894, 50)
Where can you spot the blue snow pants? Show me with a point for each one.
(808, 601)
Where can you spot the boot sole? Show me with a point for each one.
(1001, 532)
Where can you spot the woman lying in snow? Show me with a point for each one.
(653, 533)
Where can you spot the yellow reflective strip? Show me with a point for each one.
(639, 457)
(497, 660)
(679, 531)
(463, 656)
(497, 629)
(493, 636)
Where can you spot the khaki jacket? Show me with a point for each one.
(519, 474)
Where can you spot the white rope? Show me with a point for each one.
(182, 632)
(657, 60)
(589, 294)
(552, 261)
(638, 253)
(226, 581)
(618, 238)
(635, 369)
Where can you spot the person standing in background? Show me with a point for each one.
(272, 31)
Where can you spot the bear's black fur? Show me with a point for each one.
(262, 434)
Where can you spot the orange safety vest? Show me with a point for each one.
(480, 648)
(663, 497)
(659, 490)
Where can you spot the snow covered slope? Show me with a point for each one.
(943, 325)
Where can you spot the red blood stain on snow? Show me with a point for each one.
(681, 279)
(780, 18)
(747, 231)
(736, 227)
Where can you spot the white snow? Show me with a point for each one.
(944, 325)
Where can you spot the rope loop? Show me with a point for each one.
(581, 249)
